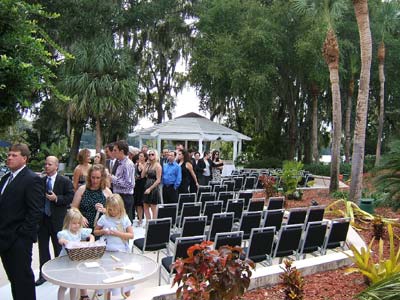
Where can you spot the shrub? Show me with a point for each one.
(269, 185)
(270, 162)
(212, 274)
(290, 177)
(388, 289)
(293, 281)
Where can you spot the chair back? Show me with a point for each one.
(288, 240)
(182, 244)
(249, 220)
(297, 216)
(225, 196)
(314, 237)
(315, 213)
(275, 203)
(256, 204)
(246, 195)
(210, 208)
(222, 222)
(337, 233)
(193, 226)
(274, 218)
(220, 188)
(239, 180)
(249, 183)
(167, 211)
(232, 239)
(186, 198)
(230, 185)
(208, 196)
(261, 244)
(203, 189)
(157, 234)
(189, 210)
(236, 206)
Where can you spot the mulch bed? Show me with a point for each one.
(335, 284)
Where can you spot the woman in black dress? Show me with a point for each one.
(187, 172)
(152, 173)
(139, 185)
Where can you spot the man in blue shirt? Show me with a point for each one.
(171, 179)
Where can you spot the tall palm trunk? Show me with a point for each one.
(99, 140)
(347, 121)
(381, 59)
(314, 130)
(361, 12)
(331, 56)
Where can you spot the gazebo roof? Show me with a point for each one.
(190, 126)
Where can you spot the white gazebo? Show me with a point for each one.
(192, 127)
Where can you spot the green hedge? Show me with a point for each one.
(263, 164)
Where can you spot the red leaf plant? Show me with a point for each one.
(209, 274)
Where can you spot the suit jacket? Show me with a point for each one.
(64, 190)
(203, 164)
(199, 167)
(21, 206)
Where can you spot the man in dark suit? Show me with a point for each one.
(59, 192)
(21, 206)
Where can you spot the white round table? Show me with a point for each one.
(75, 275)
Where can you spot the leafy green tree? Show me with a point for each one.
(26, 66)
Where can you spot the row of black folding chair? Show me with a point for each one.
(296, 240)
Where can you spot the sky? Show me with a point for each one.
(186, 102)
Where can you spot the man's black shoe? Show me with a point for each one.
(40, 281)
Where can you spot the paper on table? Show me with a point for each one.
(133, 267)
(92, 264)
(121, 277)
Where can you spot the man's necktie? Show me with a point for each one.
(10, 178)
(49, 188)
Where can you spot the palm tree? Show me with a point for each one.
(387, 15)
(362, 16)
(100, 82)
(329, 10)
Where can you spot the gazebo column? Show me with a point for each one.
(240, 147)
(186, 145)
(140, 142)
(235, 152)
(200, 148)
(159, 145)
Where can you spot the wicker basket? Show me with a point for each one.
(86, 252)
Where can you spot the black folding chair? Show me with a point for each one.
(167, 211)
(249, 220)
(207, 196)
(239, 180)
(220, 188)
(236, 206)
(157, 236)
(203, 189)
(288, 241)
(246, 195)
(188, 210)
(275, 203)
(337, 234)
(273, 218)
(256, 204)
(249, 183)
(191, 226)
(297, 215)
(222, 222)
(225, 196)
(228, 239)
(313, 239)
(182, 244)
(315, 213)
(230, 185)
(261, 245)
(185, 198)
(210, 208)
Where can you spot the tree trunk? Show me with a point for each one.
(361, 12)
(99, 142)
(381, 58)
(76, 141)
(347, 121)
(331, 56)
(314, 130)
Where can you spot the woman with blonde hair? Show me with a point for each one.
(91, 197)
(82, 169)
(152, 172)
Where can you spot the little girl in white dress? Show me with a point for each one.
(115, 228)
(73, 231)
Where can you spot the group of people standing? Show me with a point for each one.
(34, 208)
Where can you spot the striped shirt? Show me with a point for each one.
(123, 181)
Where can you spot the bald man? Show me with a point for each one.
(58, 195)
